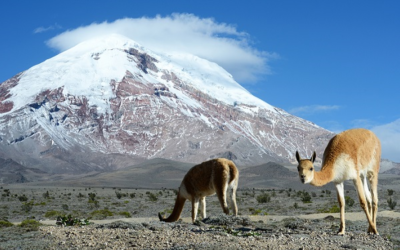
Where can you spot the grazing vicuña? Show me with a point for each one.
(210, 177)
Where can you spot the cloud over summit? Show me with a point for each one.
(204, 37)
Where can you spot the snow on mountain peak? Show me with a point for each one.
(88, 68)
(104, 99)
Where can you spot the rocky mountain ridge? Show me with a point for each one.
(110, 103)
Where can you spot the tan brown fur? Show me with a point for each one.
(210, 177)
(351, 155)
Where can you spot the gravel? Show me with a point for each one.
(215, 232)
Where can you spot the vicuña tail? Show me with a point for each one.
(233, 173)
(176, 213)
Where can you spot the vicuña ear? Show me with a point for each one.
(298, 156)
(312, 159)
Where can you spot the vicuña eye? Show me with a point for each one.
(311, 169)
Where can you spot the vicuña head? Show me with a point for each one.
(351, 155)
(214, 176)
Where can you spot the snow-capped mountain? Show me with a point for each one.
(108, 103)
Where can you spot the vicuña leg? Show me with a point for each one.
(203, 207)
(232, 200)
(195, 207)
(340, 197)
(221, 193)
(367, 194)
(373, 179)
(363, 203)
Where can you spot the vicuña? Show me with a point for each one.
(218, 176)
(351, 155)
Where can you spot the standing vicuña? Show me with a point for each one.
(207, 178)
(351, 155)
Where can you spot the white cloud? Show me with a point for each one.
(44, 29)
(363, 123)
(389, 134)
(313, 109)
(218, 42)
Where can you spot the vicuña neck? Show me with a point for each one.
(322, 177)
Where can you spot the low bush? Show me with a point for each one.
(333, 209)
(101, 214)
(46, 195)
(27, 206)
(392, 204)
(305, 197)
(53, 214)
(390, 192)
(349, 201)
(71, 221)
(22, 198)
(263, 198)
(125, 214)
(30, 225)
(254, 211)
(5, 223)
(92, 197)
(152, 197)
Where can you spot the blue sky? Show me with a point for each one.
(335, 63)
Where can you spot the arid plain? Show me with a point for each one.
(271, 201)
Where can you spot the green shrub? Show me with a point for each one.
(349, 201)
(101, 214)
(263, 198)
(5, 223)
(53, 214)
(30, 224)
(70, 221)
(46, 195)
(6, 192)
(305, 197)
(92, 200)
(390, 192)
(333, 209)
(125, 214)
(22, 198)
(255, 211)
(27, 206)
(92, 197)
(152, 197)
(119, 194)
(392, 204)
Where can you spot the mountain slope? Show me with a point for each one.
(12, 172)
(109, 103)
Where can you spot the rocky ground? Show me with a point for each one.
(126, 219)
(215, 232)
